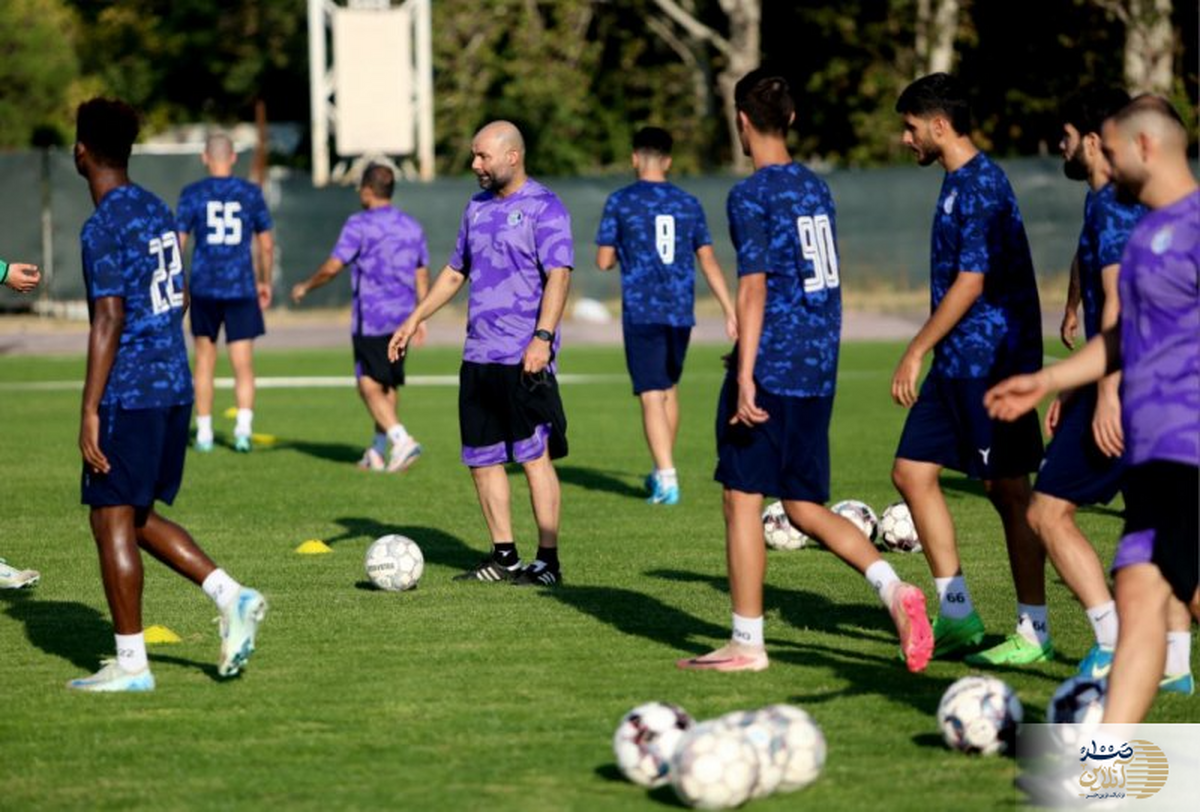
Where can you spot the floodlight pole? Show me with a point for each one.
(423, 23)
(319, 89)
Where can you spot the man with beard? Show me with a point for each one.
(515, 247)
(985, 325)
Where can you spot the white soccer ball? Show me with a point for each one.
(1078, 701)
(803, 744)
(767, 734)
(647, 738)
(897, 531)
(860, 514)
(778, 531)
(715, 767)
(394, 563)
(980, 715)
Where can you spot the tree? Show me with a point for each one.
(935, 35)
(37, 72)
(1149, 43)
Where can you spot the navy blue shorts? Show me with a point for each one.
(371, 360)
(242, 318)
(1075, 469)
(654, 354)
(949, 426)
(786, 457)
(145, 448)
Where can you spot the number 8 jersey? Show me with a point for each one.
(130, 250)
(223, 215)
(782, 223)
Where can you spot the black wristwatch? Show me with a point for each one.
(544, 335)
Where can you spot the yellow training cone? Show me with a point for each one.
(314, 547)
(264, 439)
(231, 412)
(161, 634)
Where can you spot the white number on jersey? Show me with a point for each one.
(166, 286)
(664, 238)
(224, 226)
(817, 246)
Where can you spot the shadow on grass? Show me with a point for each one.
(333, 452)
(438, 546)
(635, 613)
(593, 479)
(208, 669)
(73, 631)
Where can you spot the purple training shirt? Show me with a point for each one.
(385, 247)
(506, 247)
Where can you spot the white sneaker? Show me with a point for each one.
(239, 624)
(12, 578)
(112, 677)
(403, 455)
(372, 460)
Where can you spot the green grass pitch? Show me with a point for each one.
(453, 696)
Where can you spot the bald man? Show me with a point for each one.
(1157, 345)
(229, 216)
(515, 249)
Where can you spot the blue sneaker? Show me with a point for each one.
(650, 482)
(1097, 663)
(239, 624)
(1178, 684)
(112, 677)
(241, 444)
(663, 494)
(204, 446)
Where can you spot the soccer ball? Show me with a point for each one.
(897, 532)
(768, 734)
(1078, 701)
(715, 767)
(779, 532)
(646, 739)
(803, 744)
(979, 715)
(394, 563)
(860, 514)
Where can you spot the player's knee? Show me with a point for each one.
(1046, 515)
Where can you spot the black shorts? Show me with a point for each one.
(1162, 523)
(505, 415)
(145, 449)
(371, 360)
(243, 318)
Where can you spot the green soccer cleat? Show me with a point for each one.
(112, 678)
(1015, 650)
(952, 634)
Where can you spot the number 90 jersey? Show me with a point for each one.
(223, 215)
(130, 250)
(782, 223)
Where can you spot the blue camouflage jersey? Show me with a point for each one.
(782, 223)
(977, 228)
(656, 228)
(223, 214)
(1107, 223)
(131, 250)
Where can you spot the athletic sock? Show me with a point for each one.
(548, 556)
(881, 576)
(748, 631)
(1179, 653)
(204, 431)
(380, 443)
(397, 434)
(667, 477)
(245, 419)
(221, 588)
(1033, 623)
(131, 652)
(505, 553)
(1103, 618)
(953, 598)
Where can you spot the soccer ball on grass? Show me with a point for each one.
(897, 531)
(647, 738)
(394, 563)
(980, 714)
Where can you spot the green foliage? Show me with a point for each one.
(37, 68)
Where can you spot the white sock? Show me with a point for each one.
(380, 444)
(221, 588)
(881, 576)
(953, 598)
(397, 434)
(204, 432)
(131, 652)
(245, 417)
(1103, 618)
(667, 477)
(1033, 623)
(1179, 653)
(748, 631)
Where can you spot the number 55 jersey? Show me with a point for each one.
(224, 214)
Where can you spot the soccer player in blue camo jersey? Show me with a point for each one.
(1157, 347)
(229, 217)
(654, 228)
(137, 400)
(775, 406)
(985, 324)
(387, 251)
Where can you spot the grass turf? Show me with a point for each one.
(461, 696)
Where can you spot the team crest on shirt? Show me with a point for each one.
(514, 218)
(1161, 242)
(948, 206)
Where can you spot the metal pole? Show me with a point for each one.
(318, 92)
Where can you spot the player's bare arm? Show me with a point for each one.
(606, 257)
(1019, 394)
(1106, 421)
(1070, 322)
(328, 270)
(967, 287)
(751, 304)
(421, 283)
(447, 284)
(554, 299)
(20, 276)
(716, 283)
(264, 267)
(108, 321)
